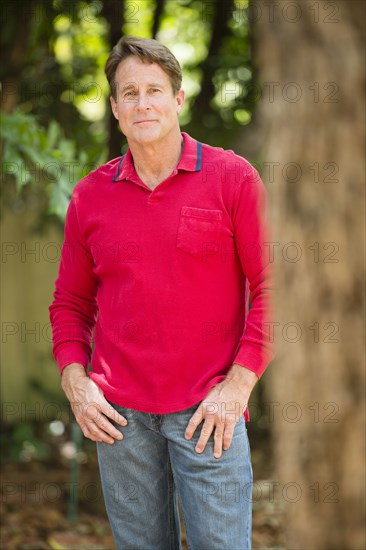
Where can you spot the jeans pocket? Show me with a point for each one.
(198, 228)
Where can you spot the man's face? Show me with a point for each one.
(145, 106)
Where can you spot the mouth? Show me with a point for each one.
(144, 121)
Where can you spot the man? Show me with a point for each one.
(162, 246)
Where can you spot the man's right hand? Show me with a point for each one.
(89, 405)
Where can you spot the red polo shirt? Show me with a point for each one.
(164, 277)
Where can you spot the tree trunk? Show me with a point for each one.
(158, 13)
(221, 15)
(309, 59)
(14, 52)
(114, 13)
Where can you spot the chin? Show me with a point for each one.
(148, 137)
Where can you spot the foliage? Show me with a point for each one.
(56, 118)
(38, 156)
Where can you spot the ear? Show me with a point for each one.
(114, 107)
(180, 100)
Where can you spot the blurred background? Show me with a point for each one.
(281, 83)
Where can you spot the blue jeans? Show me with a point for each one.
(143, 474)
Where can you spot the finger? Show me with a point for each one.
(96, 420)
(99, 435)
(98, 424)
(84, 429)
(104, 425)
(111, 412)
(194, 421)
(94, 413)
(92, 433)
(228, 436)
(102, 435)
(218, 439)
(91, 411)
(204, 436)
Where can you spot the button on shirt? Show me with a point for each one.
(153, 285)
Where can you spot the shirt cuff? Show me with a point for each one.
(71, 353)
(253, 357)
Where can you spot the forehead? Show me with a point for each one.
(135, 71)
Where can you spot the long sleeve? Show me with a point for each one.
(252, 239)
(167, 321)
(73, 311)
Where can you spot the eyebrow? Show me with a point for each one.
(134, 85)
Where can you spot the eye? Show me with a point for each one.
(130, 94)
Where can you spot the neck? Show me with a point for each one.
(151, 165)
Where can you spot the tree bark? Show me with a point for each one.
(310, 64)
(14, 52)
(221, 16)
(114, 13)
(158, 12)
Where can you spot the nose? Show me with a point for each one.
(143, 101)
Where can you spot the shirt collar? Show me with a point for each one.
(191, 159)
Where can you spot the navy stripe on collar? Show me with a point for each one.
(119, 168)
(199, 156)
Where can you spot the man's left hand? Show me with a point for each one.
(222, 408)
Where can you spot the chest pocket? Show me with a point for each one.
(198, 228)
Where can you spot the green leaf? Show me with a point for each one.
(53, 134)
(59, 202)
